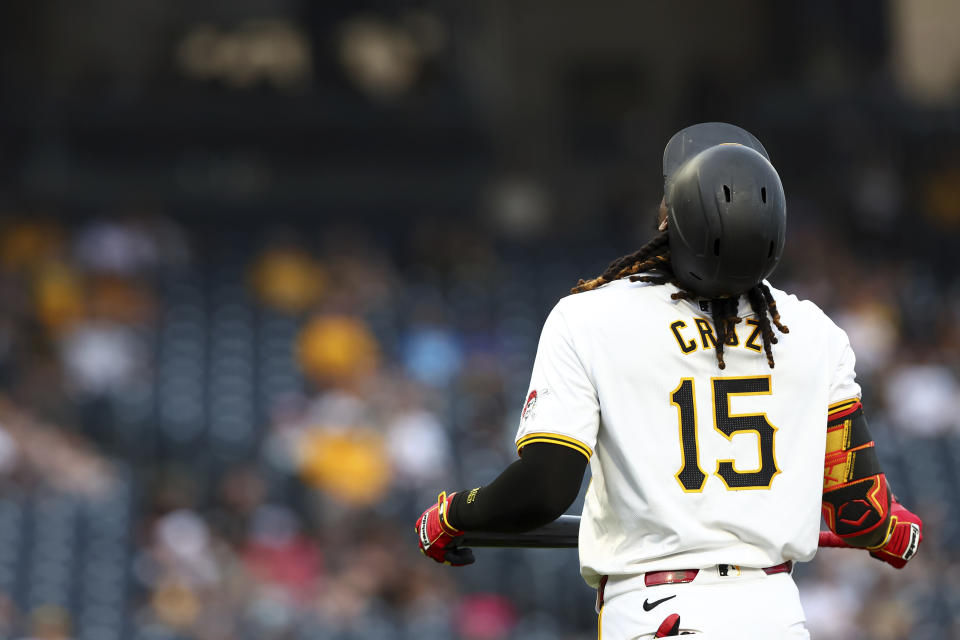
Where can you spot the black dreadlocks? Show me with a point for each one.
(653, 261)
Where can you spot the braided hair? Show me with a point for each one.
(651, 263)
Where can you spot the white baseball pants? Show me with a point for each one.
(746, 604)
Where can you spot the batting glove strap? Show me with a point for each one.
(443, 507)
(436, 535)
(903, 538)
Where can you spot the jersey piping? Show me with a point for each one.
(555, 438)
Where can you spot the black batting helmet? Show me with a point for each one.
(726, 210)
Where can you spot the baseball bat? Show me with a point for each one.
(562, 533)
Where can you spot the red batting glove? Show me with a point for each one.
(903, 538)
(669, 627)
(436, 535)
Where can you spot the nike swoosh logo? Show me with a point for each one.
(647, 606)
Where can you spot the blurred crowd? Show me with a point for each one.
(411, 357)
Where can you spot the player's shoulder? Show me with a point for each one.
(612, 297)
(808, 312)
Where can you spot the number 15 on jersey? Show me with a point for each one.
(691, 476)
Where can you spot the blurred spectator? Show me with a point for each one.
(180, 568)
(871, 325)
(288, 279)
(887, 616)
(830, 598)
(350, 465)
(175, 604)
(279, 555)
(419, 449)
(182, 549)
(60, 296)
(103, 357)
(241, 492)
(114, 246)
(25, 245)
(122, 300)
(363, 280)
(432, 355)
(337, 350)
(924, 398)
(485, 617)
(519, 207)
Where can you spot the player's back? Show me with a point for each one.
(693, 465)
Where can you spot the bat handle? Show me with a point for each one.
(830, 539)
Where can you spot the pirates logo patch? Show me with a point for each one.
(529, 406)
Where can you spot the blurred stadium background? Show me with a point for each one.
(273, 273)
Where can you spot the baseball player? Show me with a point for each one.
(716, 435)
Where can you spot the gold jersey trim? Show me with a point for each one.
(555, 438)
(843, 404)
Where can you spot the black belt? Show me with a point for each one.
(681, 576)
(655, 578)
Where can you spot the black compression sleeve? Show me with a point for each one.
(534, 490)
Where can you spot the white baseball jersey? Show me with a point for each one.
(692, 466)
